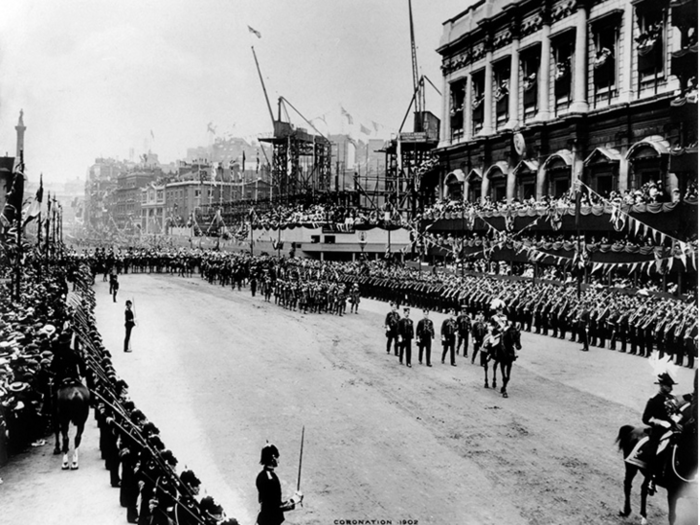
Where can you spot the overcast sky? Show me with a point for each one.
(96, 77)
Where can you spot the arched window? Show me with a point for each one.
(497, 180)
(557, 169)
(454, 185)
(648, 160)
(525, 179)
(474, 180)
(602, 168)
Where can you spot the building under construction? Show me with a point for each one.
(301, 161)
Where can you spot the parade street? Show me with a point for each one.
(220, 372)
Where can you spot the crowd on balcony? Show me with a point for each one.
(649, 193)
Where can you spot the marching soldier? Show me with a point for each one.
(425, 332)
(464, 327)
(479, 330)
(406, 334)
(448, 333)
(391, 328)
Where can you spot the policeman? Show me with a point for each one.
(391, 328)
(406, 334)
(425, 332)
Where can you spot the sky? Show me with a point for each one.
(96, 78)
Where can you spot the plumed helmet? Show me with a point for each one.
(268, 452)
(497, 304)
(188, 477)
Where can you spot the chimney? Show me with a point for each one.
(20, 127)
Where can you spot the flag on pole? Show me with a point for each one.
(365, 130)
(256, 33)
(13, 200)
(33, 210)
(346, 115)
(152, 135)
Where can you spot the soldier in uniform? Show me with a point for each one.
(479, 330)
(272, 508)
(406, 334)
(657, 416)
(448, 333)
(391, 328)
(464, 327)
(582, 321)
(425, 333)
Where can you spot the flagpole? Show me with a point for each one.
(18, 266)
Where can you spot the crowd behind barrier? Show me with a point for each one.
(610, 316)
(37, 333)
(649, 193)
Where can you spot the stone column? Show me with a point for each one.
(624, 57)
(543, 80)
(510, 185)
(514, 83)
(624, 171)
(488, 95)
(20, 128)
(580, 104)
(467, 118)
(539, 182)
(445, 123)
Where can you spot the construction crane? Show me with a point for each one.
(419, 94)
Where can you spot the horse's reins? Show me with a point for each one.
(673, 465)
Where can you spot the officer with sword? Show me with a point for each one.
(272, 508)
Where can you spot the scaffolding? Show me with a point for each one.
(301, 161)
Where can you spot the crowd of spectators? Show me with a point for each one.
(38, 331)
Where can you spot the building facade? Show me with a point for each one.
(540, 93)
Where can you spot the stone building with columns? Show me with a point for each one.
(538, 93)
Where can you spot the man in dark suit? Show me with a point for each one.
(448, 333)
(406, 334)
(391, 328)
(425, 332)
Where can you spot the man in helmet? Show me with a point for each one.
(272, 508)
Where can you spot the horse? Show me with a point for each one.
(680, 462)
(72, 406)
(503, 353)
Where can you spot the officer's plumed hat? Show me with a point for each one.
(665, 379)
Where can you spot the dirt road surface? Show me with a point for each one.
(221, 372)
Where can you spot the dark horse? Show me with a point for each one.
(680, 463)
(503, 353)
(72, 406)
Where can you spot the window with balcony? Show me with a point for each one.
(501, 90)
(457, 94)
(530, 64)
(477, 101)
(606, 36)
(650, 44)
(563, 50)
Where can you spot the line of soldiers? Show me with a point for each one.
(455, 332)
(140, 466)
(600, 317)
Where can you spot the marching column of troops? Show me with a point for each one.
(602, 317)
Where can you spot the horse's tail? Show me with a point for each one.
(623, 437)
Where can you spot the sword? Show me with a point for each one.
(301, 457)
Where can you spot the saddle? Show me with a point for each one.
(644, 452)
